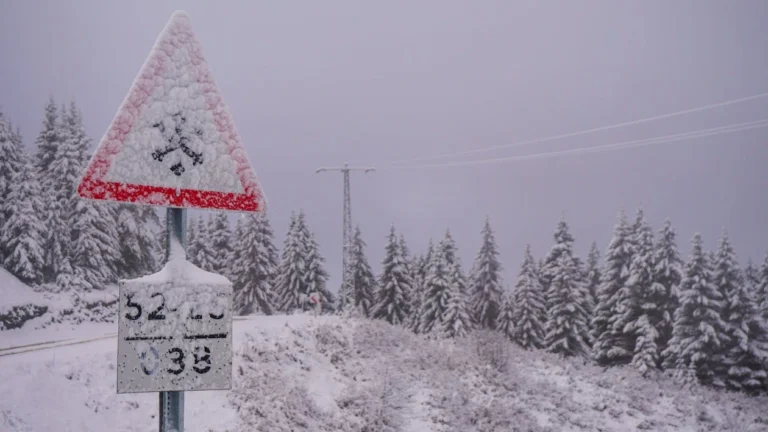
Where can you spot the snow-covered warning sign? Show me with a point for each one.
(173, 141)
(175, 331)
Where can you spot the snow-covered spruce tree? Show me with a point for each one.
(221, 244)
(456, 274)
(761, 293)
(360, 295)
(64, 171)
(609, 344)
(405, 253)
(316, 276)
(203, 247)
(455, 321)
(191, 239)
(640, 309)
(420, 287)
(408, 262)
(10, 165)
(486, 286)
(290, 284)
(95, 249)
(392, 302)
(529, 313)
(254, 266)
(47, 142)
(741, 366)
(751, 277)
(592, 276)
(564, 247)
(699, 332)
(22, 233)
(505, 322)
(136, 240)
(437, 290)
(567, 321)
(667, 275)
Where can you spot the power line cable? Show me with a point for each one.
(601, 148)
(583, 132)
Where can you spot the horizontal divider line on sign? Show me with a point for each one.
(188, 337)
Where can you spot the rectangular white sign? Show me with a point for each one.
(174, 337)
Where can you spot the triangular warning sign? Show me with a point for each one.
(173, 142)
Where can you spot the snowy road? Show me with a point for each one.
(63, 342)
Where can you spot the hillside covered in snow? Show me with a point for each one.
(301, 373)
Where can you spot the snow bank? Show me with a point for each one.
(22, 306)
(18, 302)
(332, 374)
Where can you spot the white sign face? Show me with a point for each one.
(174, 336)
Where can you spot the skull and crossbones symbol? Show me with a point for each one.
(178, 138)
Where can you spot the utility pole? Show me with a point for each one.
(346, 241)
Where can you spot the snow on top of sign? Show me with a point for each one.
(178, 269)
(173, 141)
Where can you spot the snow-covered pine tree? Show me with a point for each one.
(592, 276)
(95, 249)
(47, 143)
(436, 293)
(221, 244)
(11, 164)
(751, 277)
(427, 261)
(741, 366)
(410, 267)
(667, 275)
(254, 266)
(455, 272)
(392, 302)
(191, 239)
(761, 293)
(641, 308)
(290, 284)
(360, 297)
(455, 321)
(201, 253)
(699, 332)
(414, 302)
(505, 322)
(609, 344)
(136, 240)
(420, 287)
(63, 173)
(316, 276)
(486, 286)
(22, 233)
(405, 253)
(529, 313)
(563, 244)
(567, 323)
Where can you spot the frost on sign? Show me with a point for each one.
(175, 331)
(173, 141)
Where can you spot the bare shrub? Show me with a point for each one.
(492, 349)
(380, 406)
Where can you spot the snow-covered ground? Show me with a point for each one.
(334, 374)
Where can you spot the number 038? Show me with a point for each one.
(201, 360)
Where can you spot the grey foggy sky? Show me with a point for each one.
(320, 83)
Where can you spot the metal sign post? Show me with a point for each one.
(171, 411)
